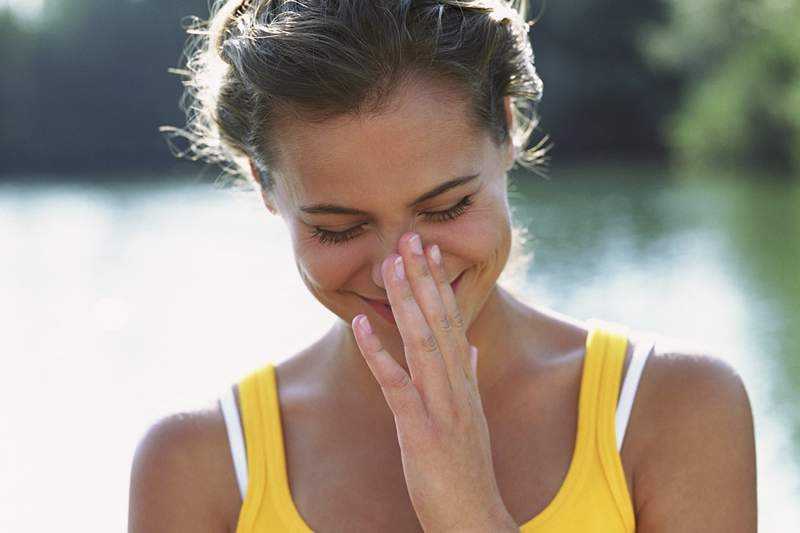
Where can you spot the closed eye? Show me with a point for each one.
(337, 237)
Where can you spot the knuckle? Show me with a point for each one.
(408, 297)
(421, 267)
(457, 320)
(444, 324)
(429, 343)
(424, 271)
(398, 382)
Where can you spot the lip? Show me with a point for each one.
(385, 310)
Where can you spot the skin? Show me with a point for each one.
(411, 403)
(441, 426)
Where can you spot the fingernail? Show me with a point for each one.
(399, 271)
(364, 323)
(416, 245)
(435, 254)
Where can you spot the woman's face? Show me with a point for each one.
(350, 187)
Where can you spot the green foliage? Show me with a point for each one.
(741, 62)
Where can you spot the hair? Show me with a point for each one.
(255, 63)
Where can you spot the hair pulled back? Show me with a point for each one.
(257, 62)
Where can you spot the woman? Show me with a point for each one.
(381, 131)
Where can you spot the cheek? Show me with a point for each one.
(324, 267)
(479, 236)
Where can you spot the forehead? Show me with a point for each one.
(425, 134)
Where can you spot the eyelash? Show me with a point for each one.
(337, 237)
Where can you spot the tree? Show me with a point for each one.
(742, 66)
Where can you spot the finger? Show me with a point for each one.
(398, 389)
(474, 394)
(425, 363)
(427, 295)
(448, 298)
(473, 362)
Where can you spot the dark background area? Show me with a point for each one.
(85, 86)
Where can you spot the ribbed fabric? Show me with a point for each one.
(592, 499)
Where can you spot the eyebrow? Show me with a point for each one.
(316, 209)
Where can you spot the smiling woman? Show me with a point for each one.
(382, 132)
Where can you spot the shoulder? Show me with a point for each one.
(182, 476)
(688, 383)
(692, 443)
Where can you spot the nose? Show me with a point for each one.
(388, 247)
(377, 279)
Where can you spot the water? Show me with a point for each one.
(120, 305)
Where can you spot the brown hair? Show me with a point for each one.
(256, 62)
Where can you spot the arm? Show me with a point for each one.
(182, 478)
(695, 456)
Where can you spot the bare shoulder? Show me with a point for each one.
(692, 444)
(182, 476)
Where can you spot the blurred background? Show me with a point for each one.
(131, 286)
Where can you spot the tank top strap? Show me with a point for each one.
(613, 359)
(268, 499)
(589, 410)
(269, 490)
(254, 401)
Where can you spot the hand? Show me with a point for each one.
(441, 426)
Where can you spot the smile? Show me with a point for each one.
(385, 310)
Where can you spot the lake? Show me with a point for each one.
(119, 305)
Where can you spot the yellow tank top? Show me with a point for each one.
(593, 497)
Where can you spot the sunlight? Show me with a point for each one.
(26, 9)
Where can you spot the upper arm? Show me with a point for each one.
(695, 469)
(180, 480)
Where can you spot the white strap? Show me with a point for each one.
(230, 413)
(638, 359)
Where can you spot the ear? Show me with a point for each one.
(509, 155)
(265, 195)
